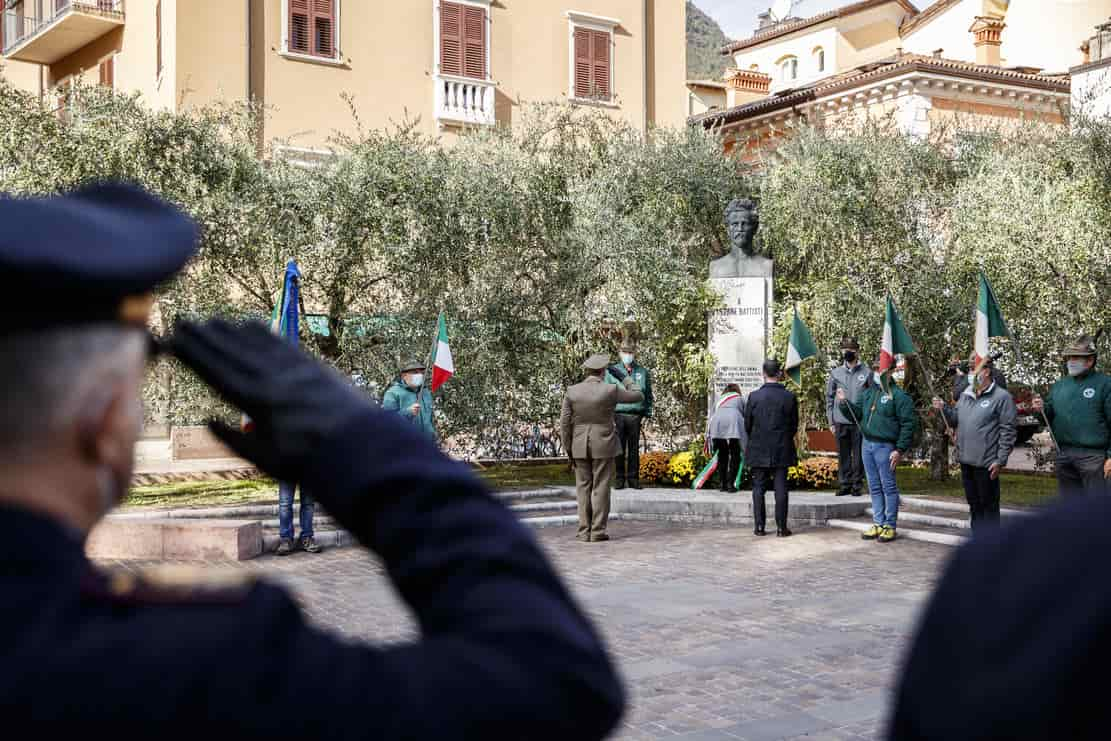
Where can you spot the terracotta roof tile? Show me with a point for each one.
(890, 67)
(788, 27)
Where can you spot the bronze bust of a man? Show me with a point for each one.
(744, 258)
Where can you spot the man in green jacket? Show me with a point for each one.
(630, 416)
(887, 422)
(409, 397)
(1079, 412)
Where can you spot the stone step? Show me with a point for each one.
(922, 533)
(955, 506)
(268, 511)
(923, 518)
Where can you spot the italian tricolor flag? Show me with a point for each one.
(989, 321)
(443, 365)
(896, 339)
(800, 347)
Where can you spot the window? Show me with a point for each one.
(158, 38)
(789, 69)
(108, 72)
(463, 40)
(592, 64)
(311, 28)
(820, 59)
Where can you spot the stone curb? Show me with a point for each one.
(930, 520)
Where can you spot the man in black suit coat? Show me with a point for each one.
(771, 420)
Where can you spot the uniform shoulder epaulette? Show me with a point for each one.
(171, 584)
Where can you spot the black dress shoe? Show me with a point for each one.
(857, 494)
(759, 531)
(732, 490)
(635, 483)
(783, 532)
(842, 493)
(619, 485)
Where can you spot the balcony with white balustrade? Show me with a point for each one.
(464, 100)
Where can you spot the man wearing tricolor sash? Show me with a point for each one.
(726, 435)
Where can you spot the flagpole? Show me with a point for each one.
(930, 386)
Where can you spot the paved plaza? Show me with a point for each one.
(720, 635)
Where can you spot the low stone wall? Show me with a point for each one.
(680, 505)
(160, 539)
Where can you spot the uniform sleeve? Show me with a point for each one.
(504, 652)
(855, 409)
(1049, 413)
(391, 401)
(1107, 411)
(793, 417)
(566, 425)
(629, 395)
(1008, 417)
(648, 398)
(831, 398)
(908, 422)
(952, 415)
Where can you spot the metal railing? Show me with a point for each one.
(31, 17)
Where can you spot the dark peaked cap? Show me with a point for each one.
(92, 255)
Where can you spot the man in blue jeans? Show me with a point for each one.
(306, 541)
(887, 421)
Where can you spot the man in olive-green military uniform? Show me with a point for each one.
(630, 417)
(590, 439)
(1079, 413)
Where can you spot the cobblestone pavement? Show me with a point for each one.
(720, 635)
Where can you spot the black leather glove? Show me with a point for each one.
(293, 401)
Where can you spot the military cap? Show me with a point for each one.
(1085, 346)
(596, 362)
(89, 256)
(411, 365)
(849, 343)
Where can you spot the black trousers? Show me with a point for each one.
(729, 460)
(1080, 473)
(760, 478)
(628, 434)
(850, 463)
(982, 494)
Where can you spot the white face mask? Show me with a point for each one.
(627, 358)
(1076, 367)
(416, 380)
(877, 377)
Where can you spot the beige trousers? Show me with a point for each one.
(593, 480)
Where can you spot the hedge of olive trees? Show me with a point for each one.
(536, 241)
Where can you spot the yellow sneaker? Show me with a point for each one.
(887, 535)
(872, 533)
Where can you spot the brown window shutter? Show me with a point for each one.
(474, 42)
(584, 61)
(324, 27)
(108, 72)
(601, 61)
(451, 38)
(158, 36)
(299, 26)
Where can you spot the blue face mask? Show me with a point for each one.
(877, 377)
(1076, 367)
(416, 380)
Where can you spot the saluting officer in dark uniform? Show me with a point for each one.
(504, 652)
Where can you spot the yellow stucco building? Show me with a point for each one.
(450, 64)
(979, 61)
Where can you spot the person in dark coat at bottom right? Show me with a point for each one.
(771, 421)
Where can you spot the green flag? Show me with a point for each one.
(800, 347)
